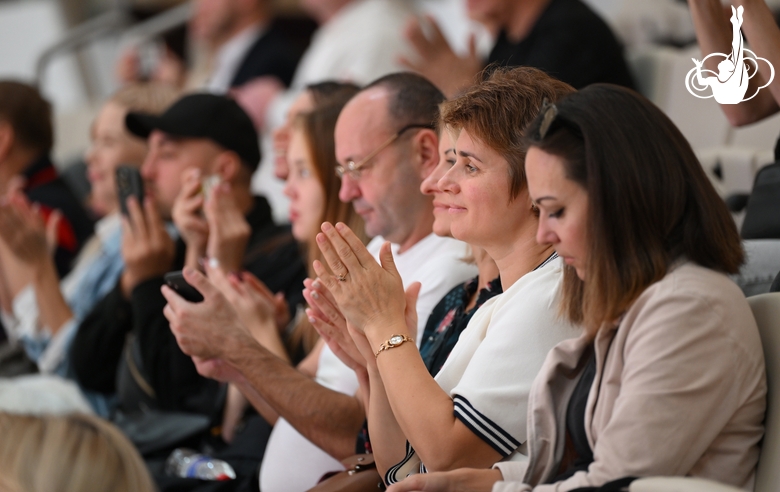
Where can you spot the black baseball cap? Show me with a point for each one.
(204, 115)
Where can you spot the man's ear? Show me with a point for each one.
(7, 137)
(427, 148)
(227, 165)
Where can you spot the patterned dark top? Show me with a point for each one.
(449, 318)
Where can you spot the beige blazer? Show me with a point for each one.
(680, 389)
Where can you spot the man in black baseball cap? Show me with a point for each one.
(200, 140)
(208, 116)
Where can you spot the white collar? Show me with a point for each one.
(107, 226)
(229, 57)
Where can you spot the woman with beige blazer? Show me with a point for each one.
(668, 375)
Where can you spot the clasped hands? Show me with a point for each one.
(357, 303)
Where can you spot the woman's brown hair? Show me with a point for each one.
(498, 110)
(318, 127)
(649, 201)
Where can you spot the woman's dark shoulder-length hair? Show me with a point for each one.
(649, 201)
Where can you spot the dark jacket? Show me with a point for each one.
(271, 54)
(99, 346)
(571, 43)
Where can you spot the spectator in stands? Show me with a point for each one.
(70, 453)
(387, 128)
(447, 320)
(26, 139)
(714, 32)
(314, 95)
(200, 138)
(565, 38)
(46, 311)
(243, 39)
(472, 414)
(666, 338)
(453, 312)
(357, 41)
(313, 189)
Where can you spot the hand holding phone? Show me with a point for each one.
(128, 183)
(175, 281)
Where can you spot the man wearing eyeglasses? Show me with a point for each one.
(386, 147)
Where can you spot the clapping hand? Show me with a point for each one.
(228, 229)
(262, 312)
(23, 229)
(436, 61)
(325, 317)
(370, 296)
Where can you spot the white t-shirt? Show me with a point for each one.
(361, 43)
(293, 463)
(490, 370)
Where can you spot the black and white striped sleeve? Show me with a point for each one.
(482, 426)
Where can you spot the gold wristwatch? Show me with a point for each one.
(393, 342)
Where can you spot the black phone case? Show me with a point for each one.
(175, 281)
(128, 183)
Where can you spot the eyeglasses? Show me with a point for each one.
(353, 169)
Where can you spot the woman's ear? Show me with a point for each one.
(427, 148)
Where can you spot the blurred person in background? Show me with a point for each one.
(357, 41)
(243, 41)
(46, 311)
(200, 138)
(313, 96)
(68, 453)
(26, 139)
(564, 38)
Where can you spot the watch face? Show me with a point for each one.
(396, 340)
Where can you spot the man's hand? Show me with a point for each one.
(147, 248)
(218, 370)
(128, 67)
(188, 217)
(436, 61)
(228, 229)
(209, 329)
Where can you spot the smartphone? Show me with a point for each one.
(208, 184)
(175, 281)
(128, 183)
